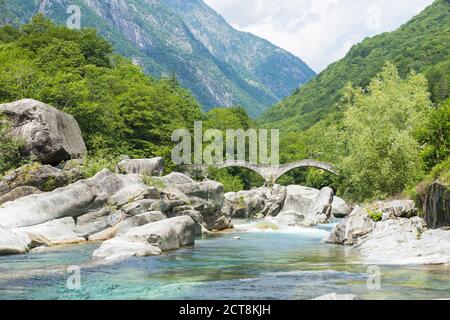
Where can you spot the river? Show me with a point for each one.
(255, 261)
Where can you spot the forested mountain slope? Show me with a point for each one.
(422, 45)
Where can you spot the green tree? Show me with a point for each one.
(434, 135)
(381, 156)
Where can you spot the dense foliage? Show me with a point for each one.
(120, 110)
(378, 154)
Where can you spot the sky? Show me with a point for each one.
(317, 31)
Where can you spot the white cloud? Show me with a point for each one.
(317, 31)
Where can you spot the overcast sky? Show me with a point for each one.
(317, 31)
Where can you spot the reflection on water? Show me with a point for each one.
(266, 263)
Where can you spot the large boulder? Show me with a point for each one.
(184, 194)
(257, 202)
(11, 243)
(300, 199)
(245, 204)
(437, 206)
(149, 239)
(147, 167)
(405, 241)
(84, 196)
(50, 136)
(356, 225)
(312, 204)
(206, 196)
(118, 249)
(339, 208)
(42, 177)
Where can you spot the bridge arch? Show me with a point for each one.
(271, 173)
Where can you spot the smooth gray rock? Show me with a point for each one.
(312, 204)
(300, 199)
(140, 220)
(11, 243)
(118, 249)
(51, 136)
(84, 196)
(323, 201)
(262, 201)
(147, 167)
(339, 208)
(55, 232)
(206, 197)
(437, 206)
(290, 218)
(405, 241)
(169, 234)
(244, 204)
(97, 221)
(18, 193)
(356, 225)
(149, 239)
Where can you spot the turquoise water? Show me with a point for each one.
(263, 264)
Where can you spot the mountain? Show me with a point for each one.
(422, 45)
(220, 65)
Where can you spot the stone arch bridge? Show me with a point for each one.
(270, 173)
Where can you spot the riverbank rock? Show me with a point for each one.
(356, 225)
(249, 204)
(42, 177)
(437, 206)
(394, 238)
(206, 197)
(119, 249)
(244, 204)
(84, 196)
(406, 241)
(11, 243)
(339, 208)
(150, 239)
(50, 136)
(147, 167)
(313, 205)
(55, 232)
